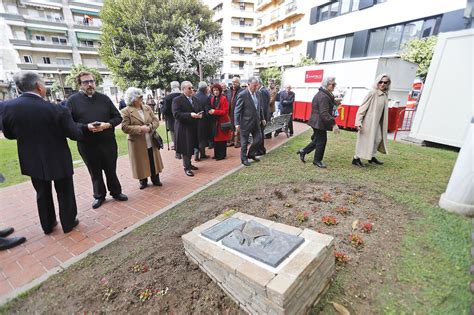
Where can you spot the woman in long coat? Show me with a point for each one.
(372, 122)
(139, 122)
(221, 111)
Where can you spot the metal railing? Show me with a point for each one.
(404, 121)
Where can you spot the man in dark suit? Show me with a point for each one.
(167, 112)
(249, 118)
(95, 113)
(265, 104)
(41, 129)
(287, 98)
(204, 124)
(186, 113)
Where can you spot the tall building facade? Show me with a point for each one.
(237, 20)
(49, 37)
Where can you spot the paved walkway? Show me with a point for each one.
(43, 253)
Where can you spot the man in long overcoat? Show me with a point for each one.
(167, 112)
(41, 129)
(186, 113)
(205, 124)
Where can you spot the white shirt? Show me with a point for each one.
(147, 135)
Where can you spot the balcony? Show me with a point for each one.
(261, 4)
(279, 15)
(290, 7)
(56, 21)
(274, 15)
(41, 44)
(91, 25)
(289, 33)
(260, 41)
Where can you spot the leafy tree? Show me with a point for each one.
(56, 87)
(420, 51)
(306, 61)
(271, 73)
(194, 57)
(71, 77)
(138, 37)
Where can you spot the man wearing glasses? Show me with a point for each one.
(97, 116)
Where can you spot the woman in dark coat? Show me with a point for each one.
(221, 111)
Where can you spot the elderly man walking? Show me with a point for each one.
(95, 113)
(248, 119)
(41, 129)
(186, 112)
(168, 112)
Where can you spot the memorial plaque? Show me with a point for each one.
(262, 243)
(222, 229)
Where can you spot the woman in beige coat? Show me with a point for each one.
(139, 122)
(371, 122)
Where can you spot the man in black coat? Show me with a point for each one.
(321, 120)
(167, 112)
(248, 121)
(204, 124)
(97, 116)
(287, 98)
(186, 113)
(41, 129)
(234, 91)
(266, 109)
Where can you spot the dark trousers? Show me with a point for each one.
(256, 133)
(186, 162)
(290, 125)
(155, 176)
(67, 203)
(318, 143)
(262, 150)
(98, 158)
(220, 150)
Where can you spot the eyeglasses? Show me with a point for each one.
(384, 82)
(333, 84)
(189, 88)
(87, 82)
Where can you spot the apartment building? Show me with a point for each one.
(237, 20)
(348, 29)
(282, 26)
(49, 37)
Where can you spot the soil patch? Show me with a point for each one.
(147, 271)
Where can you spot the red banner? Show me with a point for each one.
(313, 76)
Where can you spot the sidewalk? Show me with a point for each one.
(44, 253)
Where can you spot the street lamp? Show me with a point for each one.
(61, 82)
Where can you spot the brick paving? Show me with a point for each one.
(41, 253)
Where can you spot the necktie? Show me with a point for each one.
(255, 102)
(190, 100)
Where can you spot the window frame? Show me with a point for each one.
(46, 58)
(27, 58)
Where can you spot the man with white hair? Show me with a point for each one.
(249, 118)
(321, 120)
(41, 129)
(186, 112)
(95, 113)
(168, 113)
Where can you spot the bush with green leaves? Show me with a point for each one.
(420, 51)
(76, 69)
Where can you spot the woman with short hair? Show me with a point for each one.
(372, 123)
(139, 122)
(221, 112)
(150, 102)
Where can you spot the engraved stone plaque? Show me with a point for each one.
(222, 229)
(262, 243)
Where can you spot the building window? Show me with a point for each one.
(430, 27)
(87, 43)
(64, 61)
(324, 13)
(334, 10)
(40, 38)
(329, 50)
(337, 8)
(59, 40)
(241, 65)
(392, 40)
(376, 40)
(27, 59)
(348, 47)
(46, 60)
(334, 48)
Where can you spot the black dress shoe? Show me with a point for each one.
(188, 172)
(256, 159)
(375, 161)
(319, 164)
(120, 197)
(6, 232)
(52, 228)
(178, 156)
(246, 163)
(6, 243)
(357, 162)
(143, 183)
(204, 157)
(194, 168)
(301, 155)
(157, 183)
(76, 222)
(97, 203)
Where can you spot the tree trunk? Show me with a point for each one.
(200, 71)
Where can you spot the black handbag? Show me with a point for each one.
(156, 138)
(226, 126)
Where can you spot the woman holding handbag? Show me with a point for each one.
(223, 124)
(140, 123)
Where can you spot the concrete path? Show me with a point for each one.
(43, 255)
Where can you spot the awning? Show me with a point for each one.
(49, 30)
(78, 11)
(87, 36)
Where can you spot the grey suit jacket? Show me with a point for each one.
(245, 114)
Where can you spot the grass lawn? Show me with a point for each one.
(10, 167)
(430, 276)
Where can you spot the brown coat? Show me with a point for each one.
(137, 148)
(372, 114)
